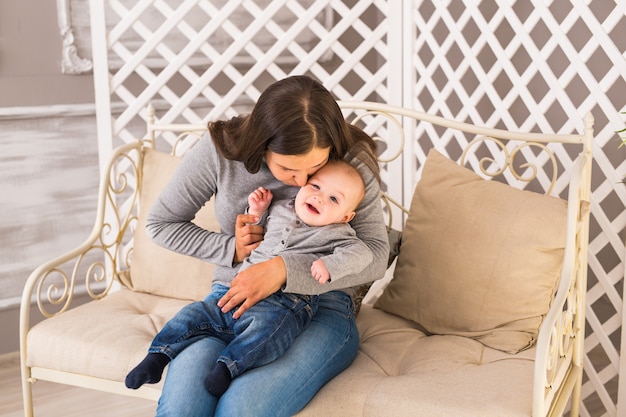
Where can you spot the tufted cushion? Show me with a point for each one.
(156, 270)
(401, 372)
(104, 338)
(478, 258)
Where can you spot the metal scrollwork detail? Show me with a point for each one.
(177, 147)
(97, 277)
(98, 262)
(54, 292)
(525, 172)
(562, 339)
(392, 120)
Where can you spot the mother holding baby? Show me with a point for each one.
(294, 129)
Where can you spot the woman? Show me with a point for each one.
(294, 129)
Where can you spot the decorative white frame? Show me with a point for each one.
(71, 63)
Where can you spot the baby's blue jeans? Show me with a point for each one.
(261, 335)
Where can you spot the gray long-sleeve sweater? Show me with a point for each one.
(204, 173)
(337, 245)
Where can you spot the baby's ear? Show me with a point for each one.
(348, 217)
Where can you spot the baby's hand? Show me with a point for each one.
(259, 200)
(319, 272)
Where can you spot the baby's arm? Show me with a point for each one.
(350, 256)
(258, 201)
(320, 272)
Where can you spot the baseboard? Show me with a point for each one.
(89, 109)
(9, 360)
(34, 112)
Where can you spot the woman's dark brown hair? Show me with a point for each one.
(291, 117)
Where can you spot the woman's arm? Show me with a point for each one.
(169, 222)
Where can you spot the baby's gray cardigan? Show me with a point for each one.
(204, 173)
(342, 252)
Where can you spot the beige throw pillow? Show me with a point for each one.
(478, 258)
(157, 270)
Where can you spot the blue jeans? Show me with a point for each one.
(259, 337)
(282, 387)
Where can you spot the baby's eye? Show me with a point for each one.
(317, 187)
(334, 200)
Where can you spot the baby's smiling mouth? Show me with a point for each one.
(312, 209)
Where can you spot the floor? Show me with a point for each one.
(56, 400)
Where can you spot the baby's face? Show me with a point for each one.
(330, 196)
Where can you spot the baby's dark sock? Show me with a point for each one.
(149, 370)
(218, 380)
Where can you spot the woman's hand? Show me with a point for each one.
(253, 285)
(247, 236)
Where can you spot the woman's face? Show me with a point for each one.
(296, 169)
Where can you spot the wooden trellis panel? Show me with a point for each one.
(523, 65)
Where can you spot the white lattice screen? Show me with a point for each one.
(522, 65)
(200, 60)
(530, 66)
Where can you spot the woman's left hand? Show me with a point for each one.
(253, 285)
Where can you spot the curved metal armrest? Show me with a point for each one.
(98, 260)
(104, 253)
(561, 335)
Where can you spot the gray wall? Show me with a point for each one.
(38, 151)
(30, 58)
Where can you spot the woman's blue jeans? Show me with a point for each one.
(260, 336)
(280, 388)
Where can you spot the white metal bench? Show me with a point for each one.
(95, 344)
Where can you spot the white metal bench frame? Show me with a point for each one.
(559, 357)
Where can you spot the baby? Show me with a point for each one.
(315, 222)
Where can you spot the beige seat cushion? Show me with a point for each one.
(478, 258)
(156, 270)
(104, 338)
(401, 372)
